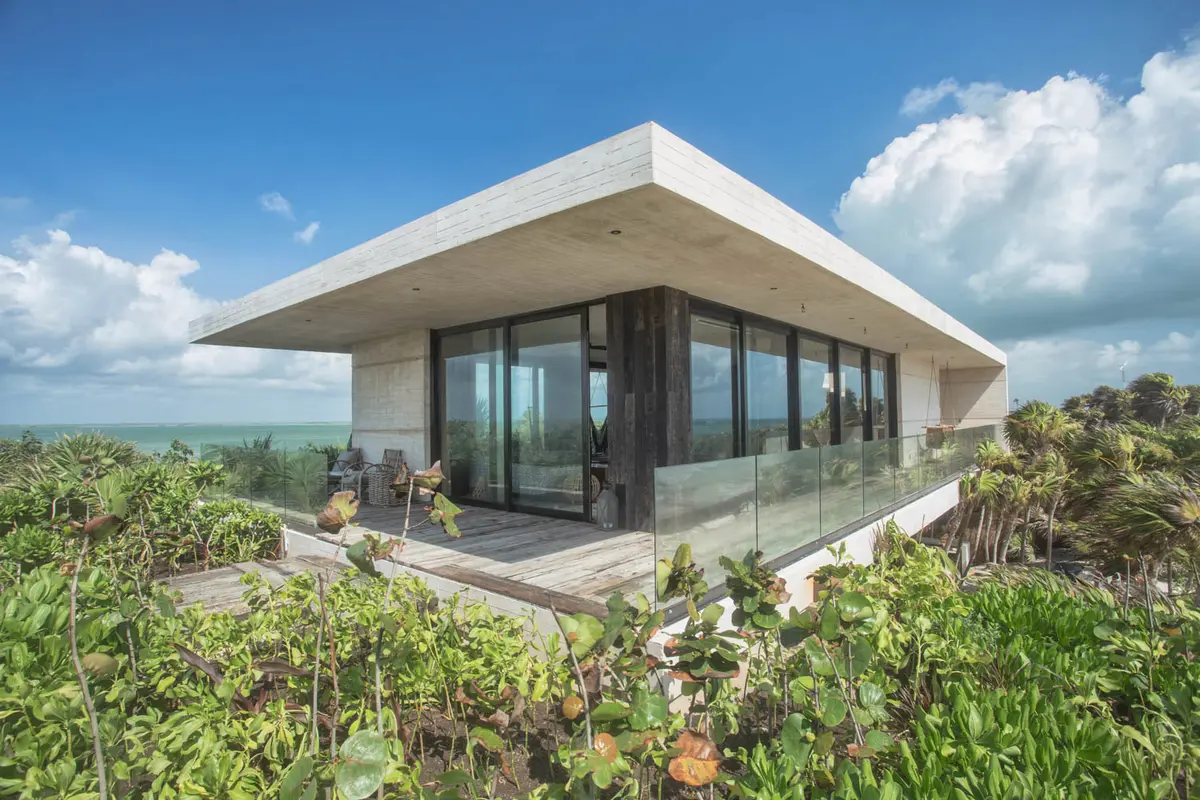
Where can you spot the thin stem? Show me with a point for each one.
(407, 513)
(587, 709)
(858, 734)
(332, 668)
(312, 746)
(97, 747)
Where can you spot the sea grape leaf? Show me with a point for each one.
(294, 777)
(361, 765)
(359, 554)
(338, 512)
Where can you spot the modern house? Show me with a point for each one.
(636, 315)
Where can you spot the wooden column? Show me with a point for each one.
(649, 395)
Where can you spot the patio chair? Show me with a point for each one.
(375, 480)
(345, 471)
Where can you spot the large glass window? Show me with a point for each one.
(853, 400)
(766, 391)
(816, 393)
(473, 426)
(546, 383)
(880, 401)
(714, 365)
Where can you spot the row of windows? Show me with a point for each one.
(759, 389)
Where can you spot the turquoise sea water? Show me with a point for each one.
(157, 438)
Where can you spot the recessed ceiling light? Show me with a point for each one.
(615, 231)
(774, 288)
(416, 289)
(851, 318)
(308, 320)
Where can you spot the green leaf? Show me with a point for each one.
(769, 620)
(662, 578)
(683, 555)
(794, 739)
(607, 712)
(583, 631)
(833, 710)
(601, 770)
(878, 740)
(294, 778)
(872, 696)
(1139, 737)
(164, 605)
(824, 742)
(99, 664)
(359, 554)
(362, 765)
(649, 709)
(831, 624)
(861, 654)
(817, 660)
(443, 513)
(487, 738)
(455, 777)
(854, 606)
(712, 615)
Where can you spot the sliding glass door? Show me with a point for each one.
(473, 401)
(514, 428)
(548, 416)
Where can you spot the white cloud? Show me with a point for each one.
(975, 98)
(1052, 368)
(80, 318)
(306, 235)
(1032, 213)
(276, 203)
(11, 203)
(64, 218)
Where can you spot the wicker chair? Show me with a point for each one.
(344, 474)
(375, 481)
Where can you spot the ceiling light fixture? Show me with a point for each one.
(615, 231)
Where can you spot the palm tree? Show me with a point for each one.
(1018, 496)
(987, 493)
(1157, 399)
(1147, 517)
(1052, 477)
(1037, 427)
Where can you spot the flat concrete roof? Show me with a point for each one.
(642, 208)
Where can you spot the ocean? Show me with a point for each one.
(158, 438)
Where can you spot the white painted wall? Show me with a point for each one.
(390, 396)
(974, 397)
(920, 393)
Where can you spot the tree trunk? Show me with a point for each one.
(1050, 536)
(1006, 534)
(978, 532)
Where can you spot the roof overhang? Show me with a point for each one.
(641, 209)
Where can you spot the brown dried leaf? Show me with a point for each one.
(606, 746)
(497, 719)
(277, 666)
(200, 663)
(337, 514)
(572, 707)
(698, 761)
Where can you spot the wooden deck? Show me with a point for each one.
(503, 551)
(222, 589)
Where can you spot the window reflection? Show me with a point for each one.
(853, 416)
(766, 391)
(880, 402)
(816, 393)
(714, 361)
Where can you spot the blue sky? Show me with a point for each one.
(137, 128)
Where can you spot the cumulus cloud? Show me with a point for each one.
(1036, 212)
(276, 203)
(78, 318)
(305, 236)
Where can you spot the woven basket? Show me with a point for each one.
(379, 489)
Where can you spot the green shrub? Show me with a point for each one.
(234, 531)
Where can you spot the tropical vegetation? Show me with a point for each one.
(909, 677)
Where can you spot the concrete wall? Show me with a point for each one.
(920, 394)
(390, 396)
(974, 397)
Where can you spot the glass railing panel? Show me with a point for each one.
(789, 501)
(710, 506)
(880, 468)
(908, 470)
(841, 486)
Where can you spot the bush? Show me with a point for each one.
(234, 531)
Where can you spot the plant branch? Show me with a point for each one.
(97, 747)
(858, 734)
(583, 693)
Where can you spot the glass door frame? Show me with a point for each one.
(437, 406)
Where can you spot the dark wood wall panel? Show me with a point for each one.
(649, 395)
